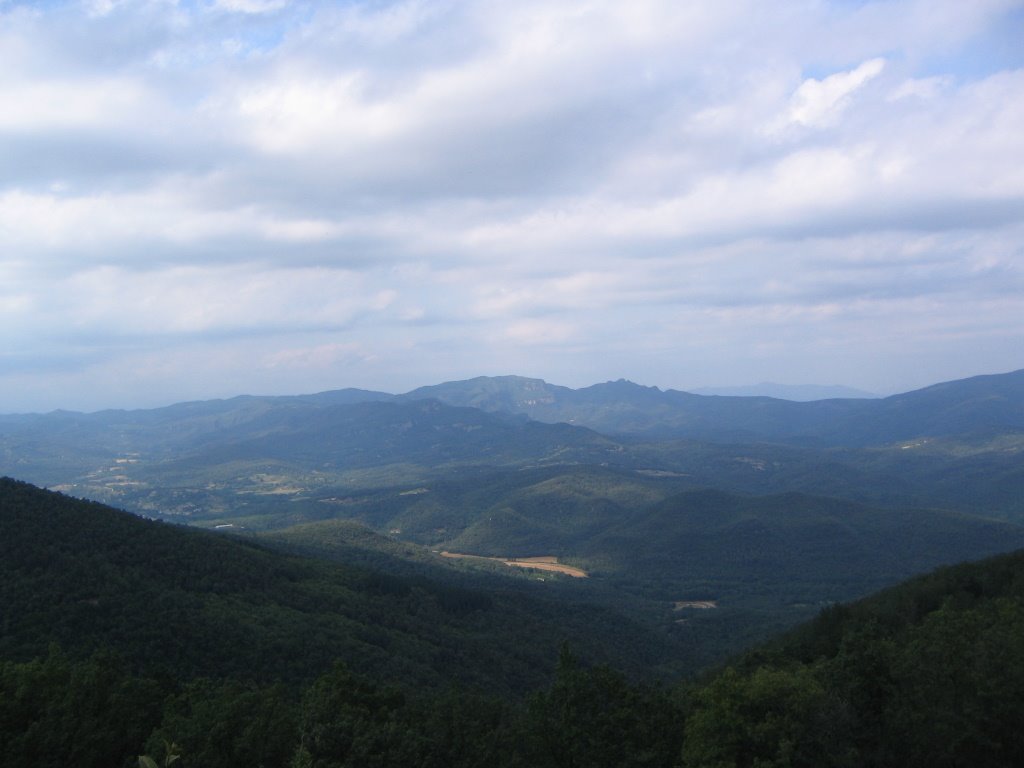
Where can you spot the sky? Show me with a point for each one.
(204, 198)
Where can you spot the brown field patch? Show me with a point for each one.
(540, 563)
(699, 604)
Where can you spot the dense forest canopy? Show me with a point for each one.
(926, 673)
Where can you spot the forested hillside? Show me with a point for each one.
(929, 673)
(181, 602)
(767, 532)
(924, 674)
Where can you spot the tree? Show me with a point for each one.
(771, 718)
(594, 718)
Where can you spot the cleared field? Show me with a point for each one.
(541, 563)
(699, 604)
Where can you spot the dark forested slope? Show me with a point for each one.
(191, 602)
(928, 673)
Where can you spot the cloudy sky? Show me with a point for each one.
(202, 198)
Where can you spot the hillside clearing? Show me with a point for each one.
(540, 563)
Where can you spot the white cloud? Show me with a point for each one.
(318, 357)
(252, 6)
(821, 102)
(579, 190)
(42, 105)
(195, 300)
(924, 88)
(536, 332)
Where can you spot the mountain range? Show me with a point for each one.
(459, 534)
(770, 508)
(980, 406)
(954, 445)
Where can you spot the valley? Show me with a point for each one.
(773, 508)
(464, 540)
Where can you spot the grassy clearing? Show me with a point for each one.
(540, 563)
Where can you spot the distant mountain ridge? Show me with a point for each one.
(981, 405)
(955, 445)
(978, 405)
(796, 392)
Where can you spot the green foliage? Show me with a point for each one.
(592, 718)
(183, 603)
(349, 722)
(769, 561)
(927, 674)
(55, 712)
(172, 754)
(930, 673)
(224, 724)
(958, 680)
(770, 718)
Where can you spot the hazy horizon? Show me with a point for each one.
(794, 392)
(207, 198)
